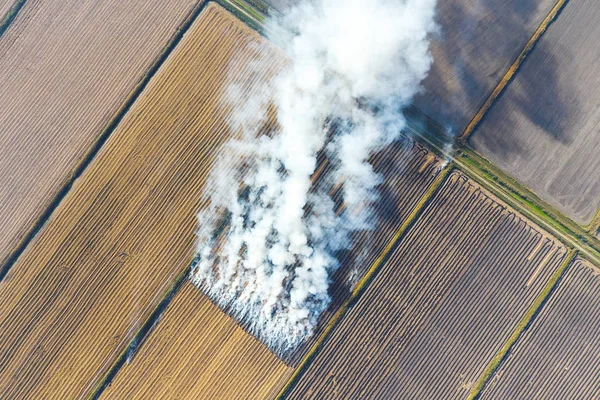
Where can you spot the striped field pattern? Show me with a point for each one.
(559, 355)
(74, 300)
(441, 306)
(66, 69)
(198, 352)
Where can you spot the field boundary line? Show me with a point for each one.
(513, 69)
(246, 13)
(95, 148)
(594, 225)
(11, 15)
(366, 279)
(522, 326)
(128, 354)
(496, 182)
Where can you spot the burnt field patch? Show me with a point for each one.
(124, 234)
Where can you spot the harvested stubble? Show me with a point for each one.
(181, 359)
(558, 357)
(442, 305)
(77, 296)
(544, 129)
(66, 68)
(198, 352)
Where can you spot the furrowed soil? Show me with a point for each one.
(96, 271)
(476, 44)
(182, 357)
(559, 355)
(66, 68)
(443, 304)
(544, 129)
(407, 171)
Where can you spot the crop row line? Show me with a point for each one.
(495, 182)
(106, 133)
(140, 337)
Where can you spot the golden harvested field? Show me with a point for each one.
(442, 305)
(544, 129)
(478, 41)
(79, 293)
(559, 355)
(190, 356)
(66, 68)
(198, 352)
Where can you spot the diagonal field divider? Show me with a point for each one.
(107, 131)
(524, 323)
(11, 15)
(362, 284)
(513, 69)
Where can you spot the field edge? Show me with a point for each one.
(366, 279)
(523, 325)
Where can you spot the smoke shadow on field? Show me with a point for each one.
(539, 96)
(477, 43)
(402, 165)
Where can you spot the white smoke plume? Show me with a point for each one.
(269, 237)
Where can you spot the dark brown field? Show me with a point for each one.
(478, 41)
(559, 355)
(544, 129)
(66, 67)
(441, 307)
(90, 279)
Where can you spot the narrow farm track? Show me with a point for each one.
(442, 305)
(198, 352)
(514, 67)
(108, 255)
(559, 355)
(478, 42)
(67, 67)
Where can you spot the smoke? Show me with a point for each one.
(287, 193)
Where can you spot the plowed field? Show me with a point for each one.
(441, 307)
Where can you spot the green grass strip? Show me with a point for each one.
(523, 324)
(11, 15)
(526, 202)
(360, 287)
(245, 13)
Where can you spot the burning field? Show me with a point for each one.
(269, 240)
(251, 214)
